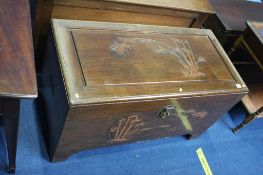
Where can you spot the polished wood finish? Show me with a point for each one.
(188, 5)
(231, 17)
(191, 13)
(134, 82)
(121, 16)
(235, 13)
(17, 75)
(252, 42)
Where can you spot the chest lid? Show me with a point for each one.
(111, 62)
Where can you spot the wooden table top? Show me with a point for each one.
(191, 5)
(235, 13)
(17, 67)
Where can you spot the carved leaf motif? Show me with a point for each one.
(200, 115)
(194, 113)
(126, 128)
(180, 48)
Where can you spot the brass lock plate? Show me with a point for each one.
(167, 111)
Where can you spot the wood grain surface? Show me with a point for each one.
(17, 67)
(235, 13)
(188, 5)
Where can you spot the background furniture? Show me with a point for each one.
(252, 42)
(190, 13)
(17, 68)
(231, 17)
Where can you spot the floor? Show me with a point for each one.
(226, 153)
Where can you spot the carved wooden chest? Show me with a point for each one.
(110, 83)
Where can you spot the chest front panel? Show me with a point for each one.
(91, 127)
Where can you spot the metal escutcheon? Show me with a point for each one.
(167, 111)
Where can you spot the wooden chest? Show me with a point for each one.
(111, 83)
(231, 17)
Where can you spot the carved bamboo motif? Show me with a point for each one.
(125, 128)
(180, 48)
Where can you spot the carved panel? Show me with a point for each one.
(179, 48)
(127, 128)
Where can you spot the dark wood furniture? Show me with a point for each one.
(190, 13)
(231, 17)
(252, 42)
(17, 70)
(112, 83)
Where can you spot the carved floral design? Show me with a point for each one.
(126, 128)
(196, 114)
(179, 48)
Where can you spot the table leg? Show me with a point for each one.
(11, 121)
(236, 45)
(248, 120)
